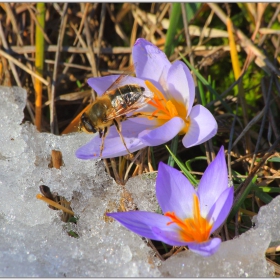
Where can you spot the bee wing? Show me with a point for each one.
(143, 100)
(121, 79)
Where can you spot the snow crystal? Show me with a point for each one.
(35, 242)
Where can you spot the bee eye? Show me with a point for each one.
(87, 124)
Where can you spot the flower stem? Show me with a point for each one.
(153, 158)
(173, 148)
(164, 247)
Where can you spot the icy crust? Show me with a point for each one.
(34, 241)
(240, 257)
(142, 189)
(269, 218)
(46, 251)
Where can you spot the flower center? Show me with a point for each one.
(196, 228)
(166, 109)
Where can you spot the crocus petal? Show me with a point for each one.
(142, 222)
(113, 146)
(143, 120)
(206, 248)
(170, 237)
(163, 133)
(203, 126)
(221, 208)
(213, 182)
(174, 191)
(150, 62)
(101, 84)
(180, 84)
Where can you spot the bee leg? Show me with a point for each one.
(141, 114)
(118, 126)
(80, 126)
(103, 135)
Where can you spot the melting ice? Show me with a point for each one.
(34, 241)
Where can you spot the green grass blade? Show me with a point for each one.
(274, 159)
(174, 148)
(188, 162)
(208, 86)
(183, 168)
(175, 23)
(201, 93)
(266, 198)
(191, 9)
(267, 189)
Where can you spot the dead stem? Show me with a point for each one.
(53, 116)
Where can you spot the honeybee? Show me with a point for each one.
(112, 107)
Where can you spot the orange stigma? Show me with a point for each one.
(196, 228)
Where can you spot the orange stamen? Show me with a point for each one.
(196, 228)
(153, 89)
(159, 100)
(171, 108)
(166, 109)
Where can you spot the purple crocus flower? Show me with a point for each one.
(190, 216)
(169, 113)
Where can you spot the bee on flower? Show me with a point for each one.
(170, 112)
